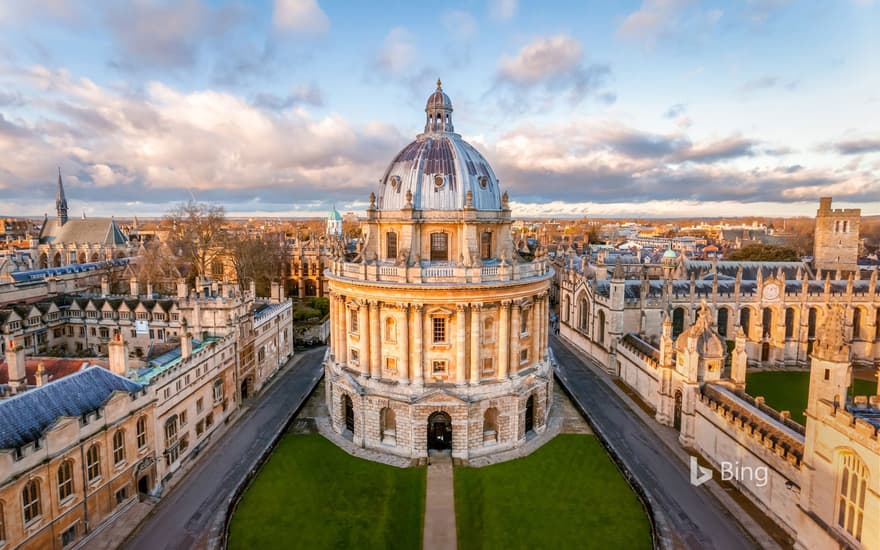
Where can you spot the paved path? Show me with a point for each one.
(439, 531)
(182, 518)
(694, 517)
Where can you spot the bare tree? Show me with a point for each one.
(262, 259)
(195, 236)
(156, 266)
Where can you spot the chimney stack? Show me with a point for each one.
(105, 286)
(134, 287)
(15, 363)
(117, 350)
(186, 345)
(276, 292)
(42, 375)
(253, 288)
(181, 288)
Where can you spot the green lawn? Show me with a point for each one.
(568, 494)
(311, 494)
(788, 391)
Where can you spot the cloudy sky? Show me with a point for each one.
(645, 107)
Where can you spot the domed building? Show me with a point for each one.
(439, 327)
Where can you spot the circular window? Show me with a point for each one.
(439, 181)
(484, 181)
(395, 181)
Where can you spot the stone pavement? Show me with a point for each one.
(439, 533)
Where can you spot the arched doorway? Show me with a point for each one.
(247, 387)
(530, 414)
(348, 411)
(676, 416)
(439, 431)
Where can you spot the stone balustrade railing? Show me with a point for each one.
(452, 274)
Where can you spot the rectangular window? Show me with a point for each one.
(200, 428)
(68, 536)
(524, 355)
(439, 329)
(439, 247)
(438, 368)
(391, 245)
(486, 245)
(200, 404)
(391, 365)
(182, 417)
(353, 321)
(105, 332)
(121, 495)
(209, 420)
(355, 356)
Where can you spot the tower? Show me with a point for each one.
(830, 371)
(334, 224)
(836, 238)
(61, 201)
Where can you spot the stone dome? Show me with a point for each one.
(439, 168)
(709, 344)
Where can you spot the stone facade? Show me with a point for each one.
(438, 326)
(836, 238)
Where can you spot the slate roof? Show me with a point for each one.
(26, 417)
(750, 269)
(91, 231)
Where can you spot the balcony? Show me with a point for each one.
(444, 273)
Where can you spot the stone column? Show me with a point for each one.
(418, 333)
(503, 340)
(514, 338)
(475, 344)
(375, 341)
(403, 345)
(364, 337)
(536, 331)
(342, 332)
(334, 327)
(460, 345)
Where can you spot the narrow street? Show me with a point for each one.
(695, 517)
(183, 517)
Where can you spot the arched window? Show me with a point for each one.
(600, 328)
(171, 448)
(852, 484)
(488, 329)
(118, 447)
(390, 329)
(388, 425)
(745, 320)
(789, 323)
(767, 321)
(439, 247)
(811, 323)
(353, 321)
(93, 463)
(486, 245)
(142, 432)
(524, 320)
(30, 501)
(722, 321)
(857, 323)
(391, 245)
(584, 318)
(65, 480)
(677, 322)
(219, 390)
(490, 426)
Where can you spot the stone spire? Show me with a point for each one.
(61, 201)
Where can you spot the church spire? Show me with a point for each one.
(61, 201)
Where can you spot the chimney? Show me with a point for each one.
(253, 287)
(134, 288)
(118, 353)
(15, 361)
(150, 289)
(42, 375)
(105, 286)
(276, 292)
(186, 345)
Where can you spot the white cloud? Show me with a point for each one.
(541, 59)
(503, 9)
(303, 16)
(460, 24)
(653, 19)
(398, 52)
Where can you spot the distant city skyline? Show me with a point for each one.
(654, 108)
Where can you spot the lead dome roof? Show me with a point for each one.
(439, 168)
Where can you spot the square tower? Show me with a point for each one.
(836, 238)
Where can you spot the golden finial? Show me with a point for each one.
(438, 83)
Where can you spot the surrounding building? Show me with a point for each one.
(439, 326)
(334, 224)
(72, 453)
(836, 238)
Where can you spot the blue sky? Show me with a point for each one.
(650, 107)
